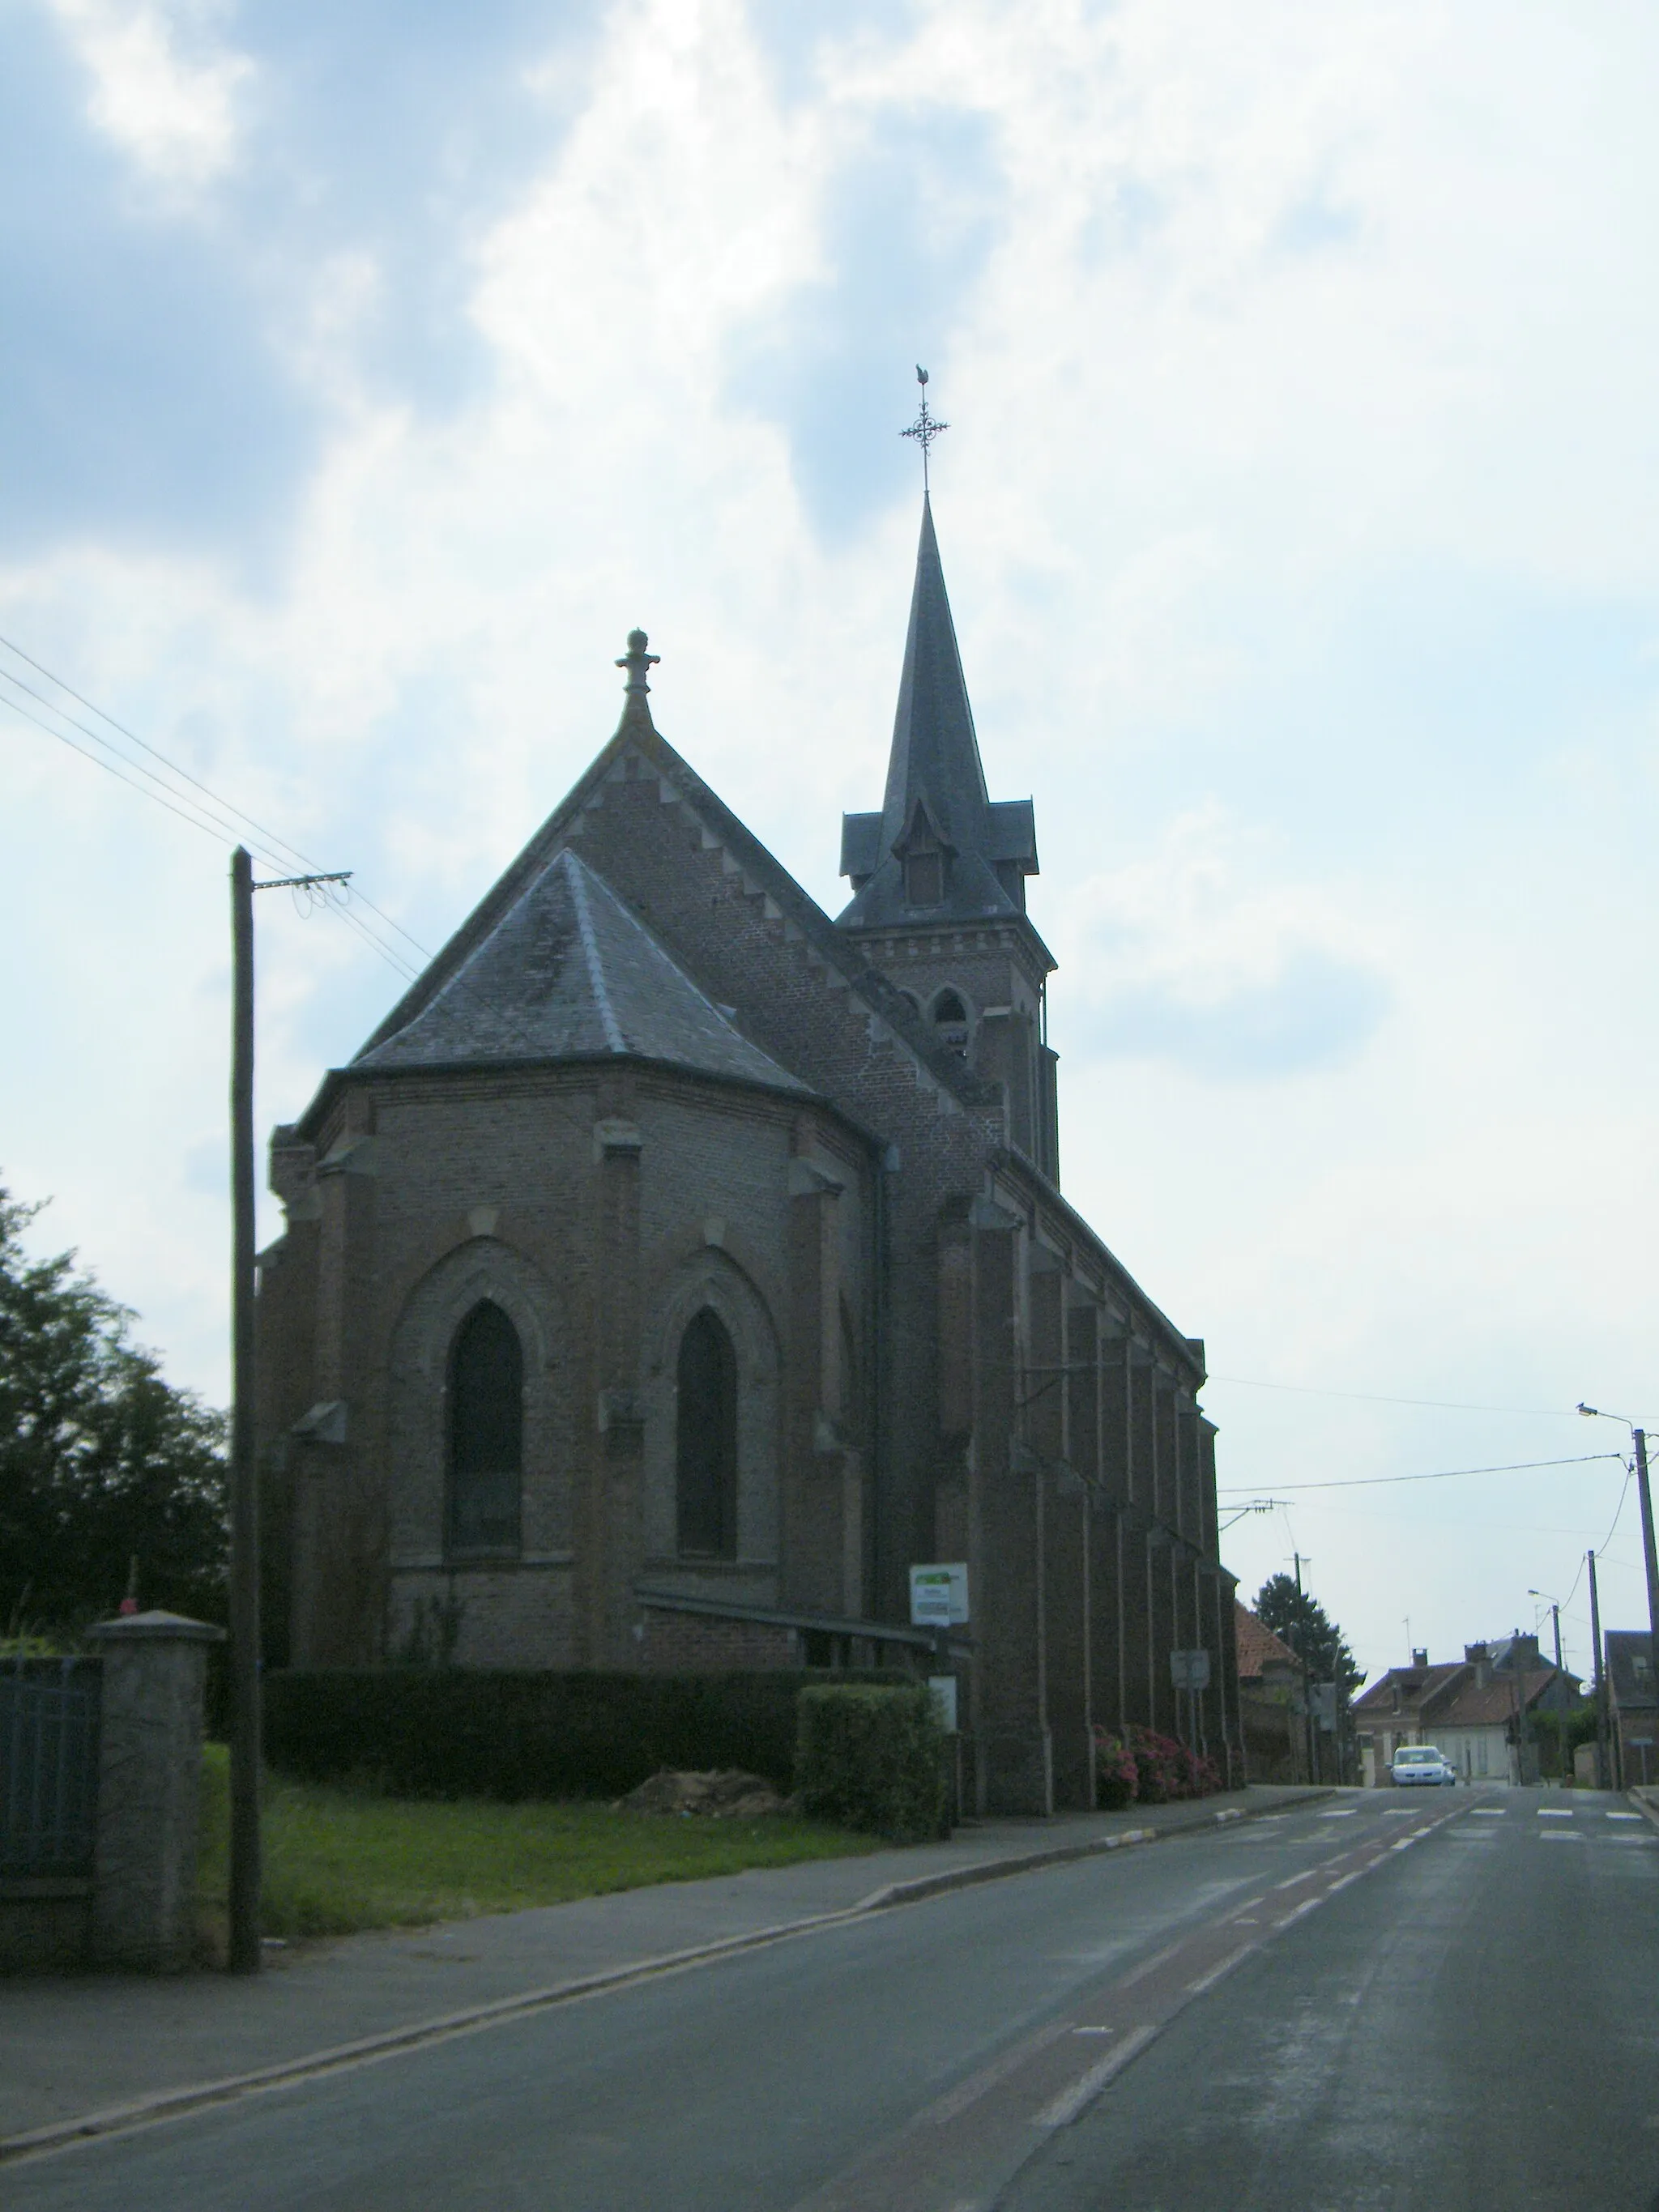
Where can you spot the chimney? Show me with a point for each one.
(1479, 1656)
(1421, 1659)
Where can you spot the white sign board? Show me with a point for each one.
(944, 1687)
(1189, 1670)
(938, 1596)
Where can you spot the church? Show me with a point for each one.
(675, 1267)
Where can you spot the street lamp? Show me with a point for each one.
(1649, 1559)
(1554, 1605)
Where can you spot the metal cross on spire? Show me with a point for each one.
(926, 427)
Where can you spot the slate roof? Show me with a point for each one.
(1258, 1647)
(1416, 1686)
(568, 973)
(936, 779)
(1486, 1704)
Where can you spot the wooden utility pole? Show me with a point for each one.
(245, 1949)
(1310, 1734)
(245, 1945)
(1649, 1560)
(1602, 1779)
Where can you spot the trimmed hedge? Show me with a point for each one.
(873, 1759)
(464, 1732)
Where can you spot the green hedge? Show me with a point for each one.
(460, 1732)
(873, 1759)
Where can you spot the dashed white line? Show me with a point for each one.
(1065, 2108)
(1225, 1967)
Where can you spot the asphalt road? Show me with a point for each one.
(1410, 2002)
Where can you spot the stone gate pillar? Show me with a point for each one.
(149, 1789)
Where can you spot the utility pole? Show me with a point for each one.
(245, 1948)
(1649, 1558)
(1601, 1776)
(1308, 1731)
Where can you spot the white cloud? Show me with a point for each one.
(171, 112)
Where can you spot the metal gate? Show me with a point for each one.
(48, 1766)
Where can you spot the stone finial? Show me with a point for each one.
(636, 660)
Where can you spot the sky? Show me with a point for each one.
(369, 371)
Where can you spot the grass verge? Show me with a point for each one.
(338, 1861)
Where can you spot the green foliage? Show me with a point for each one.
(100, 1460)
(873, 1759)
(337, 1860)
(1303, 1624)
(424, 1731)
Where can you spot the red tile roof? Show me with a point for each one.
(1258, 1647)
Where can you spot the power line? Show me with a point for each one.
(187, 809)
(1440, 1474)
(281, 845)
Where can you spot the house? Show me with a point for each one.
(1632, 1707)
(1271, 1705)
(676, 1266)
(1472, 1710)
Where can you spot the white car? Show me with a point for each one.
(1421, 1762)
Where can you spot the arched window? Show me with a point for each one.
(486, 1432)
(950, 1020)
(706, 1442)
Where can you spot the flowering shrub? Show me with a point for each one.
(1116, 1775)
(1163, 1769)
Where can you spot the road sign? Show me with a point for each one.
(1190, 1670)
(938, 1596)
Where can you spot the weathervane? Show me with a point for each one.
(925, 429)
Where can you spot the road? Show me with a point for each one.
(1395, 2000)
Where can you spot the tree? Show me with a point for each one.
(1311, 1634)
(101, 1461)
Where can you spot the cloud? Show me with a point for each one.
(174, 113)
(1180, 957)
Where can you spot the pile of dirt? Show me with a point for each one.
(725, 1794)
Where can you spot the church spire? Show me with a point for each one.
(940, 849)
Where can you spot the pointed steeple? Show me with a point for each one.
(940, 849)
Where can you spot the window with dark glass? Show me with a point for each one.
(706, 1442)
(950, 1020)
(486, 1433)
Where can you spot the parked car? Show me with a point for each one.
(1415, 1763)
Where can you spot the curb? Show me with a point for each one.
(169, 2103)
(1636, 1797)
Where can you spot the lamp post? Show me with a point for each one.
(1649, 1559)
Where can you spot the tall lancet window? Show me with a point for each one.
(486, 1433)
(706, 1442)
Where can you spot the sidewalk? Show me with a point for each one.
(79, 2048)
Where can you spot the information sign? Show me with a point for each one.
(938, 1596)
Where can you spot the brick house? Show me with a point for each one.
(1632, 1707)
(1472, 1711)
(1272, 1710)
(674, 1267)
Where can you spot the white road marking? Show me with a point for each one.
(1560, 1836)
(1490, 1812)
(1094, 2031)
(1297, 1911)
(1290, 1880)
(1070, 2102)
(1150, 1966)
(1400, 1812)
(1621, 1816)
(1208, 1981)
(1343, 1813)
(1555, 1812)
(1346, 1880)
